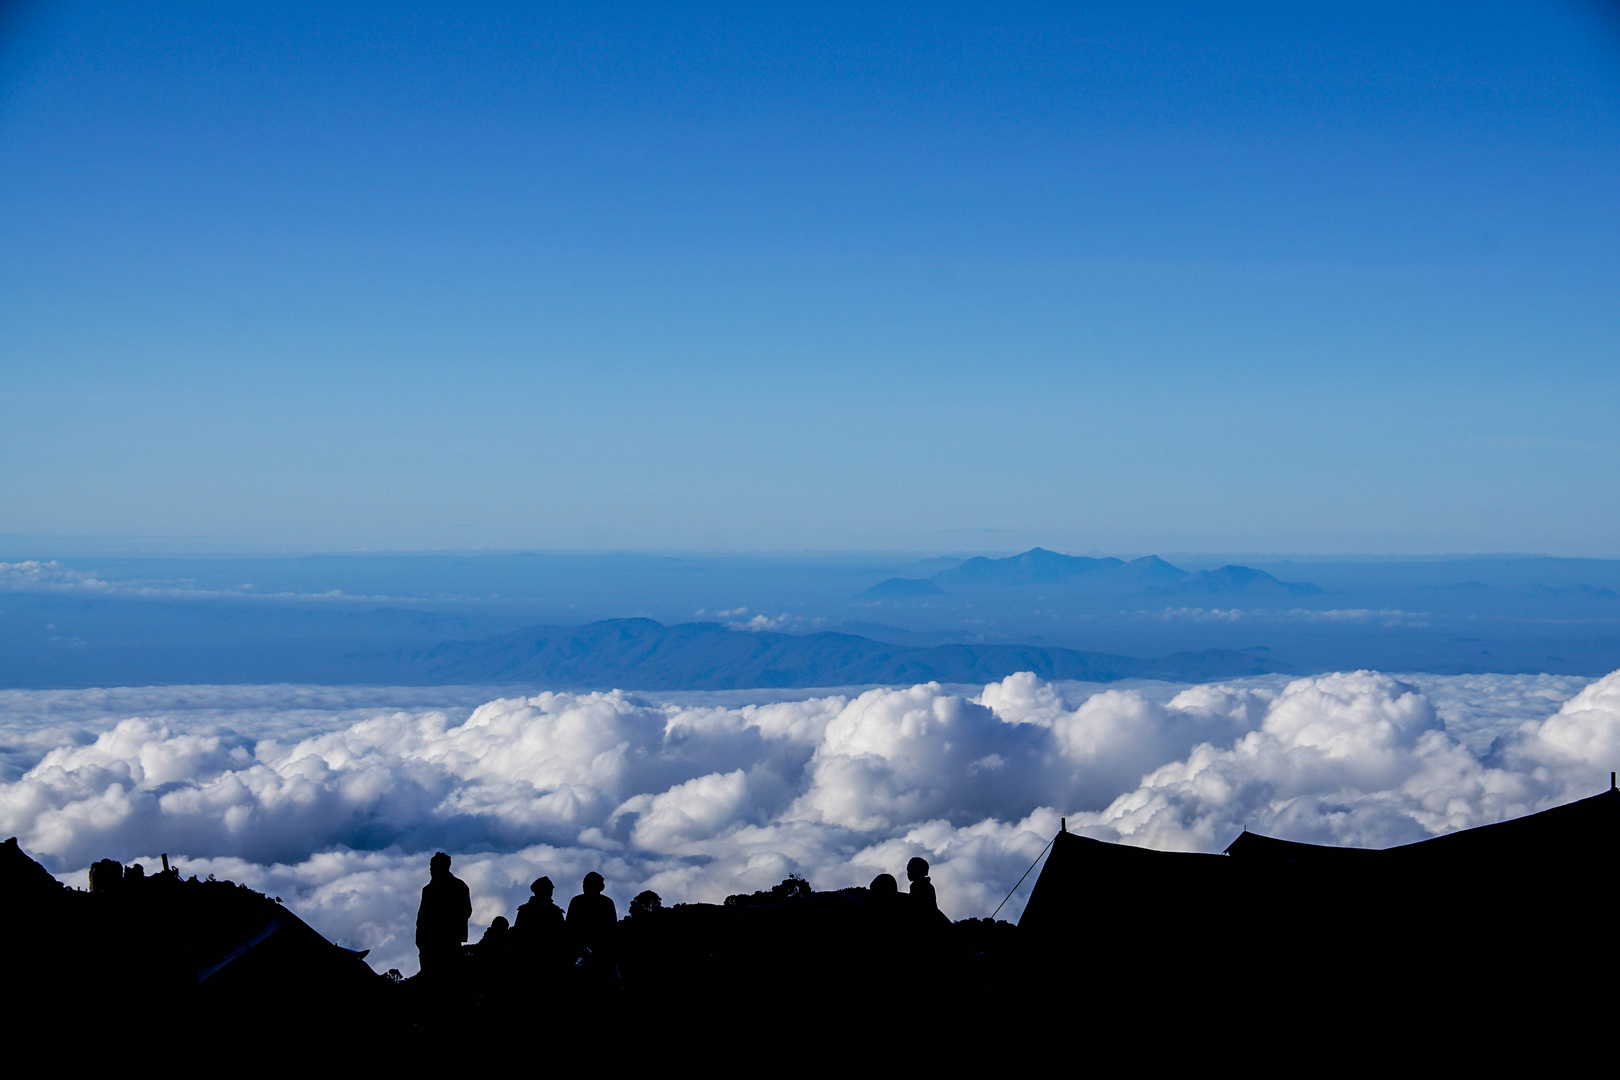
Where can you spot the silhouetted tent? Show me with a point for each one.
(1469, 916)
(1087, 884)
(1570, 835)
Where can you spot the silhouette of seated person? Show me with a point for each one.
(924, 905)
(884, 891)
(886, 924)
(441, 921)
(495, 956)
(540, 929)
(592, 919)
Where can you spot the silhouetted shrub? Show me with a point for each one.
(793, 887)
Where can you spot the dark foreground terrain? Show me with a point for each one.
(220, 965)
(1483, 947)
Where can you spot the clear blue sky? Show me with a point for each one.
(1137, 277)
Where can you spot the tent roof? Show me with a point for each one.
(1573, 830)
(1089, 887)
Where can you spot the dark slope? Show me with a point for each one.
(144, 954)
(896, 587)
(646, 655)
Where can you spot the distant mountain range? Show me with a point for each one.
(1039, 568)
(646, 655)
(389, 620)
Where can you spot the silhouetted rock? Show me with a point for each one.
(24, 881)
(106, 875)
(127, 961)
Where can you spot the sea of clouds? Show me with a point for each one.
(333, 798)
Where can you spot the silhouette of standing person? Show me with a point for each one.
(591, 922)
(441, 921)
(541, 931)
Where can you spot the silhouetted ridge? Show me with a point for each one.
(169, 947)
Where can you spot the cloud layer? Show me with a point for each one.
(332, 802)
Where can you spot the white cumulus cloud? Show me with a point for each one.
(333, 799)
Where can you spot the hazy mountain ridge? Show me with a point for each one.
(1039, 567)
(356, 619)
(647, 655)
(1238, 580)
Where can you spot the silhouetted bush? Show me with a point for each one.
(793, 887)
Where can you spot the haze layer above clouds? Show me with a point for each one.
(332, 798)
(100, 620)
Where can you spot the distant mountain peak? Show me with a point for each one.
(1037, 566)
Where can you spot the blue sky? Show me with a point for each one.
(745, 277)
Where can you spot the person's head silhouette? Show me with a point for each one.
(541, 887)
(916, 869)
(884, 885)
(439, 864)
(594, 883)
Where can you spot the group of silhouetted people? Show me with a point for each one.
(922, 907)
(543, 938)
